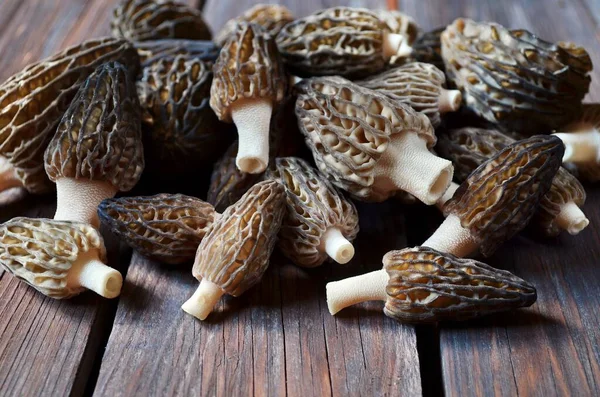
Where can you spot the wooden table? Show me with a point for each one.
(279, 338)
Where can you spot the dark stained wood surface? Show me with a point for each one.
(279, 338)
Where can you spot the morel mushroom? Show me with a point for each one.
(33, 101)
(97, 149)
(319, 222)
(559, 209)
(368, 144)
(419, 85)
(428, 48)
(272, 18)
(235, 253)
(499, 198)
(58, 258)
(140, 20)
(152, 51)
(514, 79)
(165, 227)
(344, 41)
(181, 132)
(402, 24)
(249, 82)
(422, 285)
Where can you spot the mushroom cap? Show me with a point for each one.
(248, 67)
(319, 44)
(428, 48)
(313, 206)
(165, 227)
(426, 285)
(42, 251)
(499, 198)
(271, 17)
(140, 20)
(99, 136)
(151, 51)
(235, 253)
(181, 132)
(416, 84)
(514, 79)
(348, 128)
(33, 101)
(400, 23)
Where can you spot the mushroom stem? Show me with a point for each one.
(571, 218)
(395, 45)
(581, 147)
(8, 175)
(252, 117)
(295, 80)
(447, 196)
(452, 238)
(90, 272)
(366, 287)
(78, 199)
(202, 303)
(408, 165)
(449, 100)
(337, 246)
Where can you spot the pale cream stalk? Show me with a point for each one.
(252, 117)
(395, 45)
(449, 100)
(571, 218)
(447, 196)
(202, 303)
(90, 272)
(366, 287)
(337, 246)
(452, 238)
(77, 200)
(581, 147)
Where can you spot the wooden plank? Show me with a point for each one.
(278, 338)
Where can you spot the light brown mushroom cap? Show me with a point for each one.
(271, 17)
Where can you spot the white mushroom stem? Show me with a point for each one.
(337, 246)
(395, 45)
(452, 238)
(90, 272)
(366, 287)
(447, 196)
(8, 175)
(202, 303)
(581, 147)
(295, 80)
(78, 199)
(252, 117)
(408, 165)
(571, 218)
(449, 100)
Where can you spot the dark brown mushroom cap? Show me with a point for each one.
(181, 132)
(336, 41)
(151, 51)
(428, 48)
(140, 20)
(42, 251)
(271, 17)
(99, 137)
(33, 101)
(235, 253)
(416, 84)
(349, 127)
(165, 227)
(427, 285)
(499, 198)
(248, 67)
(514, 79)
(313, 206)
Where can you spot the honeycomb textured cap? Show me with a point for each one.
(33, 101)
(42, 251)
(313, 206)
(514, 79)
(426, 285)
(165, 227)
(319, 44)
(416, 84)
(499, 198)
(99, 137)
(154, 50)
(235, 253)
(271, 17)
(140, 20)
(248, 67)
(348, 128)
(181, 132)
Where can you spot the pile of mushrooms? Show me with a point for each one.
(341, 106)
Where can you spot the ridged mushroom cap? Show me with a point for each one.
(99, 137)
(151, 51)
(271, 17)
(428, 48)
